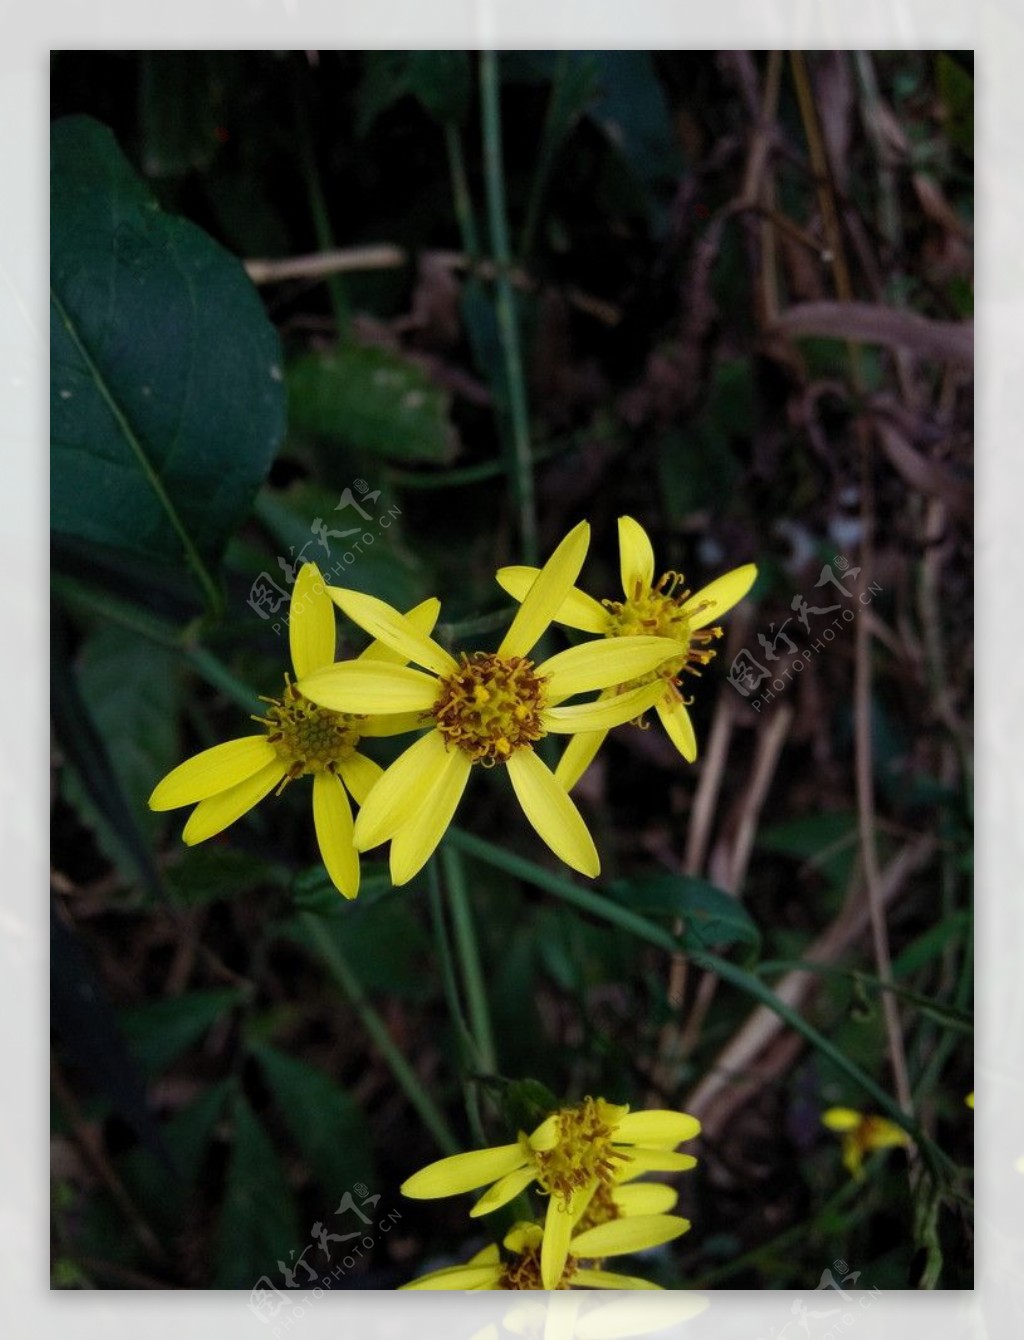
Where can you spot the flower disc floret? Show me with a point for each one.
(308, 738)
(491, 706)
(666, 609)
(583, 1153)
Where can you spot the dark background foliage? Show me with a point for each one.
(742, 284)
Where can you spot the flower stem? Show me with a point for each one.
(521, 464)
(469, 954)
(404, 1074)
(469, 1057)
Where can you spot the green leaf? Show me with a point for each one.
(381, 567)
(131, 687)
(710, 916)
(373, 400)
(258, 1224)
(326, 1123)
(315, 892)
(86, 751)
(382, 935)
(441, 81)
(208, 873)
(160, 1030)
(167, 399)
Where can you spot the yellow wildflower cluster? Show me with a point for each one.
(487, 708)
(584, 1160)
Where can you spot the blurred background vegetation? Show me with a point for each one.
(728, 294)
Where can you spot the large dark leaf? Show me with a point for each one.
(167, 399)
(326, 1124)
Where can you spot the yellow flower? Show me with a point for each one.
(574, 1155)
(969, 1100)
(581, 1268)
(226, 781)
(861, 1134)
(485, 707)
(662, 607)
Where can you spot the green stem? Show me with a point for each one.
(521, 464)
(603, 907)
(405, 1076)
(318, 206)
(140, 621)
(460, 191)
(469, 955)
(469, 1058)
(545, 159)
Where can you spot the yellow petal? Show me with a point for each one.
(678, 726)
(311, 631)
(636, 558)
(880, 1133)
(643, 1160)
(504, 1190)
(387, 625)
(604, 712)
(523, 1238)
(547, 1134)
(608, 1279)
(371, 687)
(360, 774)
(719, 596)
(399, 793)
(414, 843)
(214, 770)
(551, 812)
(216, 813)
(619, 1236)
(332, 819)
(659, 1127)
(547, 594)
(578, 610)
(645, 1198)
(554, 1250)
(841, 1118)
(400, 723)
(462, 1172)
(484, 1276)
(599, 665)
(422, 617)
(579, 753)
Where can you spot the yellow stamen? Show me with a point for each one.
(659, 612)
(308, 738)
(491, 706)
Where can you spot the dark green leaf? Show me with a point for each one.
(207, 873)
(167, 400)
(383, 940)
(314, 891)
(441, 81)
(160, 1030)
(131, 686)
(326, 1123)
(373, 400)
(710, 916)
(259, 1225)
(87, 753)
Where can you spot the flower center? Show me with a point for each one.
(491, 706)
(307, 737)
(524, 1272)
(658, 611)
(583, 1152)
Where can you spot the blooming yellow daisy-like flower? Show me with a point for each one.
(298, 737)
(581, 1270)
(861, 1134)
(575, 1154)
(662, 607)
(488, 708)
